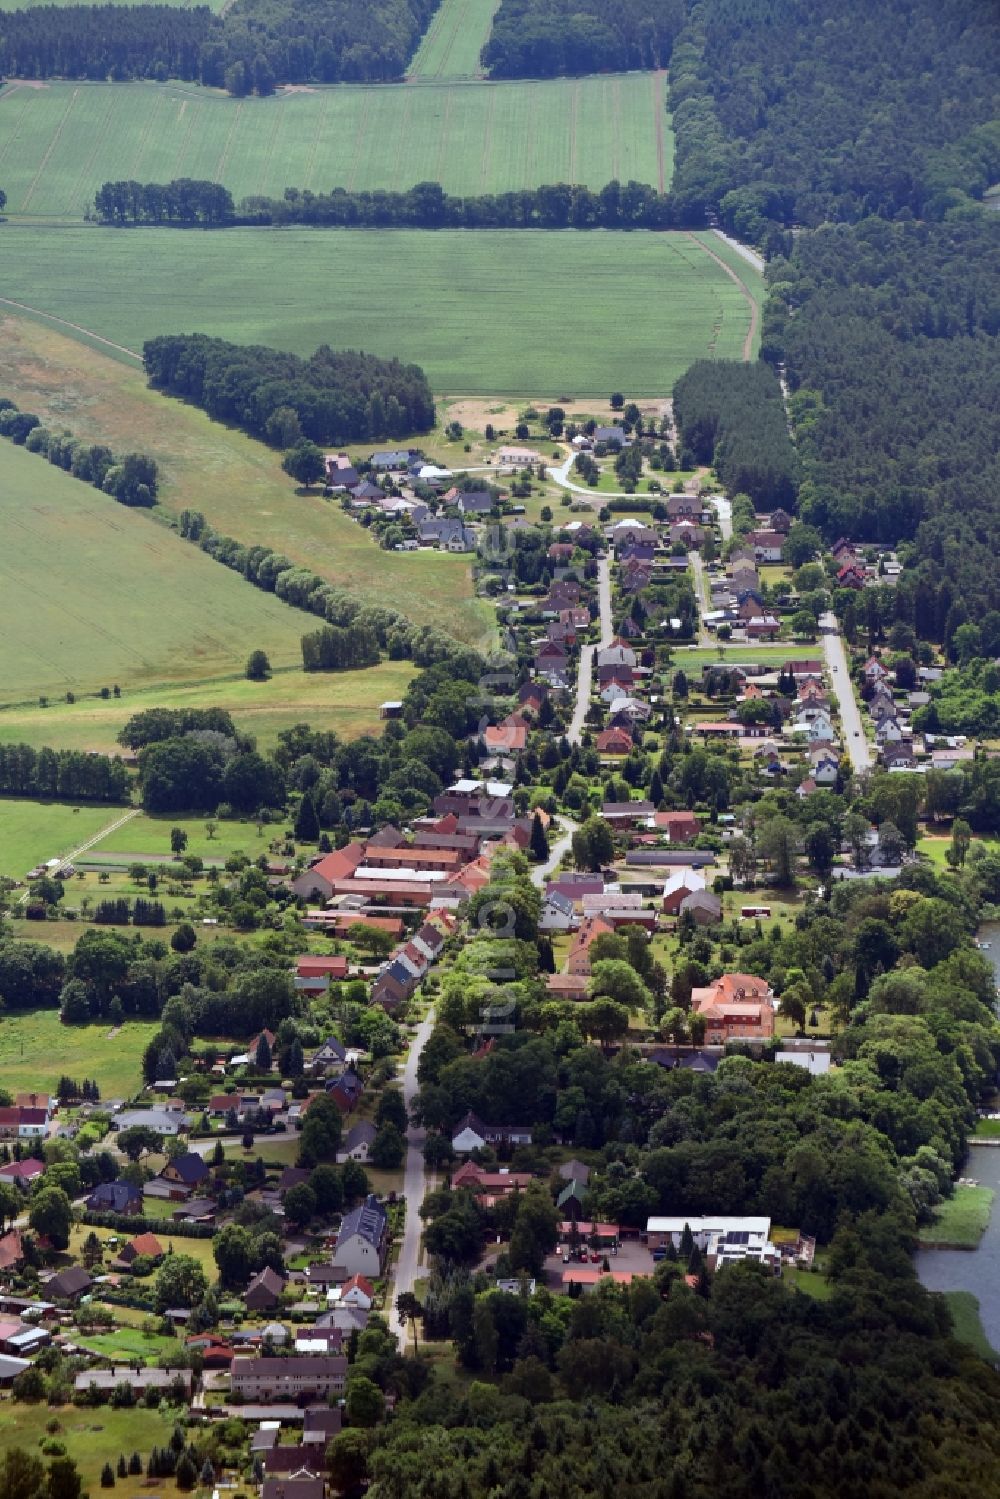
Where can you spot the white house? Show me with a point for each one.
(724, 1240)
(357, 1142)
(361, 1242)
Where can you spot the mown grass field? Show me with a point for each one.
(502, 312)
(453, 41)
(36, 1050)
(95, 593)
(60, 141)
(236, 482)
(31, 832)
(960, 1221)
(92, 1438)
(148, 837)
(346, 702)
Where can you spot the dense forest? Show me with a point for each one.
(806, 111)
(254, 46)
(732, 415)
(542, 38)
(891, 338)
(187, 203)
(330, 397)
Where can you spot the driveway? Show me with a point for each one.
(843, 689)
(414, 1183)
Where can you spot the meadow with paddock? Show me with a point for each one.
(32, 831)
(495, 312)
(80, 574)
(60, 141)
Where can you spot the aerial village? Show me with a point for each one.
(262, 1218)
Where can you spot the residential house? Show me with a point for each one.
(723, 1240)
(345, 1090)
(143, 1246)
(627, 814)
(614, 741)
(679, 887)
(22, 1173)
(677, 827)
(362, 1240)
(181, 1176)
(763, 627)
(825, 766)
(558, 914)
(612, 436)
(737, 1006)
(317, 883)
(264, 1291)
(684, 507)
(472, 1134)
(357, 1143)
(291, 1379)
(140, 1378)
(11, 1251)
(704, 908)
(475, 502)
(116, 1197)
(590, 929)
(873, 671)
(392, 460)
(358, 1292)
(767, 545)
(332, 1053)
(574, 1171)
(69, 1284)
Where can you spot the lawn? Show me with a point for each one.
(495, 312)
(964, 1308)
(36, 1051)
(345, 702)
(31, 832)
(198, 1249)
(147, 836)
(453, 41)
(960, 1221)
(809, 1282)
(236, 482)
(92, 1438)
(59, 142)
(95, 593)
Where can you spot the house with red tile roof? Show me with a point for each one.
(319, 881)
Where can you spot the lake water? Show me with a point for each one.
(975, 1270)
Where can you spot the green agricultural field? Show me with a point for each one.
(92, 1438)
(236, 481)
(960, 1221)
(36, 1051)
(503, 312)
(345, 702)
(31, 832)
(60, 141)
(95, 593)
(451, 46)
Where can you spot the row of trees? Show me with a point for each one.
(298, 587)
(330, 397)
(559, 205)
(131, 479)
(63, 774)
(253, 46)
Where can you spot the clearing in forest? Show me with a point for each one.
(61, 141)
(452, 43)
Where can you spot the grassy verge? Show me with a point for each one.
(964, 1308)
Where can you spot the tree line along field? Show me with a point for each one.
(235, 481)
(60, 141)
(453, 41)
(95, 593)
(486, 313)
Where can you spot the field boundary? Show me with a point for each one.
(751, 300)
(50, 317)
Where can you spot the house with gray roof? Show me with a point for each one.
(362, 1240)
